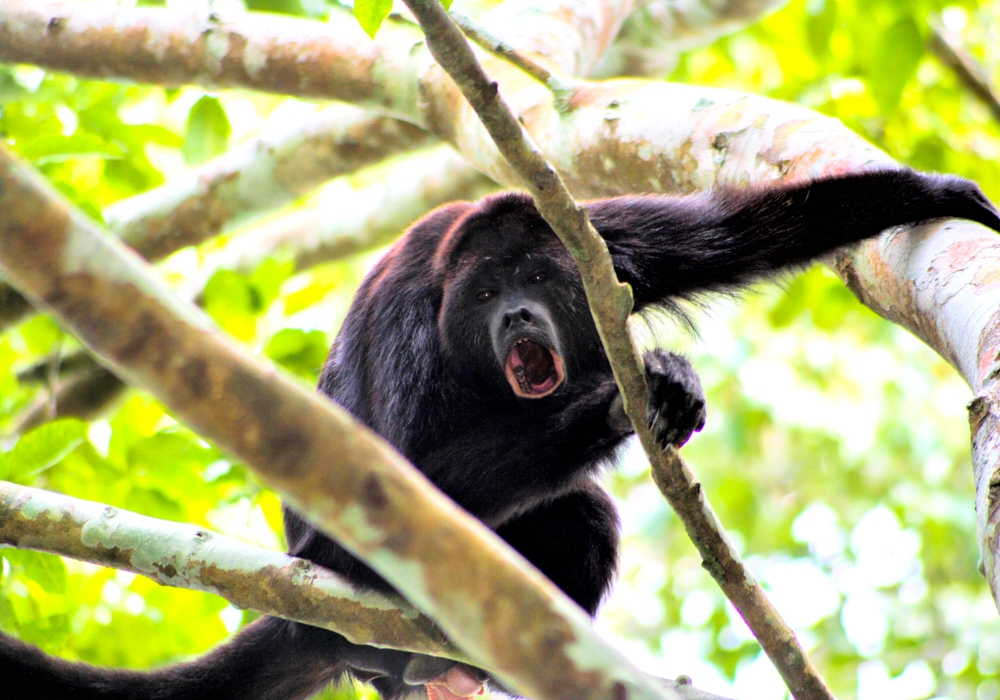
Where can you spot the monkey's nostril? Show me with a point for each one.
(525, 315)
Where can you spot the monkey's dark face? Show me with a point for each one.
(511, 306)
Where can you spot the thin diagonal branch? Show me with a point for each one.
(948, 48)
(611, 303)
(499, 47)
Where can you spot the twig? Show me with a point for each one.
(947, 47)
(611, 304)
(495, 45)
(86, 396)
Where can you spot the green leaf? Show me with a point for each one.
(207, 131)
(284, 7)
(47, 570)
(233, 302)
(54, 149)
(267, 280)
(894, 63)
(821, 19)
(44, 447)
(299, 351)
(371, 14)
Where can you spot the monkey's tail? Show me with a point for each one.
(271, 659)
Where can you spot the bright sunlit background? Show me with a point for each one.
(837, 445)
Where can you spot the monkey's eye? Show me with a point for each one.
(537, 278)
(485, 295)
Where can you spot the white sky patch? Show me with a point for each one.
(134, 603)
(231, 617)
(643, 506)
(99, 435)
(242, 117)
(818, 527)
(915, 682)
(886, 553)
(864, 621)
(955, 18)
(759, 680)
(803, 593)
(681, 653)
(697, 608)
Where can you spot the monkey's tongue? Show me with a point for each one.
(533, 370)
(457, 683)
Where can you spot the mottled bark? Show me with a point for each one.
(338, 226)
(346, 479)
(654, 36)
(941, 281)
(167, 47)
(352, 221)
(85, 395)
(251, 578)
(261, 175)
(186, 556)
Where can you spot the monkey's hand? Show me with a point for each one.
(958, 197)
(445, 679)
(675, 403)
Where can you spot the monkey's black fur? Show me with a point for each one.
(470, 347)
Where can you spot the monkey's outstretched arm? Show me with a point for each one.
(677, 246)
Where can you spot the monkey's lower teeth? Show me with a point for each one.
(519, 371)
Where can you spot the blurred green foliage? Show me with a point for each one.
(836, 449)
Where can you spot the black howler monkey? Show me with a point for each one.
(470, 347)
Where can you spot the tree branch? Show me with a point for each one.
(85, 394)
(947, 47)
(446, 562)
(251, 578)
(261, 175)
(349, 223)
(652, 37)
(356, 221)
(185, 556)
(611, 304)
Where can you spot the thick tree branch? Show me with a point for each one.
(185, 556)
(611, 303)
(166, 47)
(261, 175)
(383, 510)
(652, 37)
(338, 226)
(249, 577)
(355, 221)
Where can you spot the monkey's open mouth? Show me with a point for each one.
(533, 370)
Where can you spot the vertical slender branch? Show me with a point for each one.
(611, 303)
